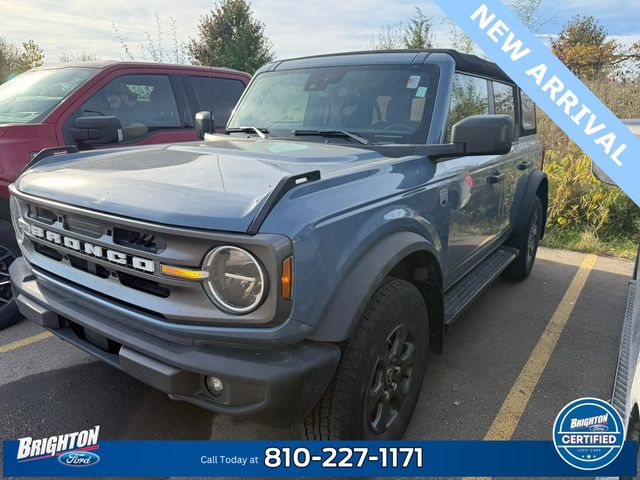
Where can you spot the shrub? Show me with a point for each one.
(578, 202)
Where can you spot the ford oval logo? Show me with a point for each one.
(598, 428)
(78, 459)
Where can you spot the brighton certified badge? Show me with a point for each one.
(588, 434)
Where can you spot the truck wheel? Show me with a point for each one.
(9, 251)
(377, 383)
(526, 241)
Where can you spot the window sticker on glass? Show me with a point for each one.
(414, 81)
(421, 92)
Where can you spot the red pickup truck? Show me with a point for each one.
(99, 105)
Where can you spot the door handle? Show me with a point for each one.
(524, 165)
(495, 178)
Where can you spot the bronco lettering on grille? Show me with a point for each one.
(92, 250)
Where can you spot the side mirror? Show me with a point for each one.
(96, 130)
(484, 134)
(600, 175)
(205, 123)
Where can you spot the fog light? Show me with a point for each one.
(214, 385)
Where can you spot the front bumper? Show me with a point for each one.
(269, 386)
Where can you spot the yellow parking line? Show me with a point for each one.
(514, 405)
(24, 342)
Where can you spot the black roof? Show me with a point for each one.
(464, 62)
(474, 64)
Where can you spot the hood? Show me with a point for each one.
(218, 185)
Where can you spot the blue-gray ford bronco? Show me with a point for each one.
(297, 269)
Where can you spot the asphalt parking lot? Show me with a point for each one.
(515, 358)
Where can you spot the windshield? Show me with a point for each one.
(381, 103)
(29, 97)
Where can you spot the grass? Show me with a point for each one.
(587, 242)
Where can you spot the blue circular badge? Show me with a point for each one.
(588, 434)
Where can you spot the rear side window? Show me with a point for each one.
(142, 103)
(527, 115)
(469, 96)
(504, 101)
(503, 97)
(226, 93)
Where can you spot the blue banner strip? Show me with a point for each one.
(564, 98)
(317, 459)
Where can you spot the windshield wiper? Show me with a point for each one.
(332, 133)
(261, 132)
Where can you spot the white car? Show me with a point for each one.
(626, 387)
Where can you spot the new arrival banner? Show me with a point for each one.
(567, 101)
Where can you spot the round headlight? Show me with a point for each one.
(237, 282)
(16, 216)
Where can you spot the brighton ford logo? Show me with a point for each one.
(72, 449)
(78, 459)
(588, 434)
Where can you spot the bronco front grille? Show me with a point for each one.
(100, 249)
(42, 214)
(118, 259)
(89, 267)
(143, 285)
(139, 240)
(48, 252)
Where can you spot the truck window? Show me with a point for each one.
(504, 100)
(143, 103)
(30, 97)
(389, 103)
(226, 93)
(469, 96)
(527, 115)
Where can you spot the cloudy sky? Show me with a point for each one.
(295, 28)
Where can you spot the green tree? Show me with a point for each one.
(14, 60)
(418, 33)
(229, 36)
(526, 10)
(389, 38)
(32, 55)
(585, 48)
(70, 57)
(9, 59)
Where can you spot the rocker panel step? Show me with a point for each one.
(460, 296)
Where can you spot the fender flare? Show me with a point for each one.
(527, 190)
(350, 298)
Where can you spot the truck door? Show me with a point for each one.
(522, 158)
(475, 186)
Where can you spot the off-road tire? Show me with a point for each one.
(9, 251)
(396, 308)
(526, 241)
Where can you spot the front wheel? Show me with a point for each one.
(376, 386)
(9, 251)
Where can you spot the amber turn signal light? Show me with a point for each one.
(186, 273)
(287, 278)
